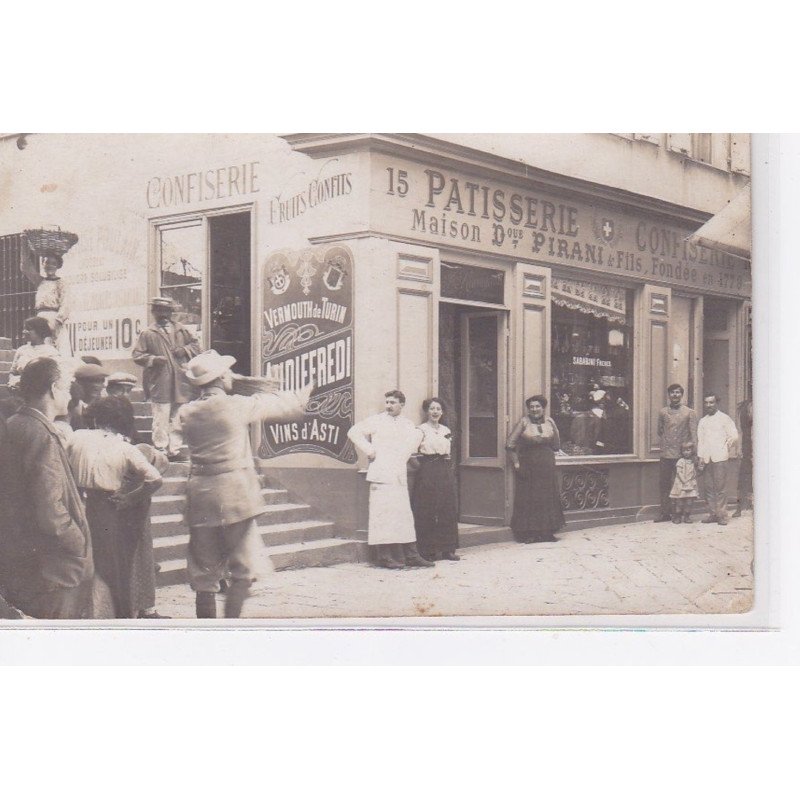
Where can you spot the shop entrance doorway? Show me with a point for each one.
(718, 350)
(472, 381)
(204, 265)
(229, 287)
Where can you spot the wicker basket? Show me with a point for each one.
(47, 242)
(247, 386)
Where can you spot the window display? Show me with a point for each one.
(592, 367)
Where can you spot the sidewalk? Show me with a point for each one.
(637, 568)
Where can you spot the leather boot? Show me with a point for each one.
(413, 558)
(206, 605)
(237, 593)
(385, 557)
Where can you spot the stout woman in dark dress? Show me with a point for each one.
(537, 500)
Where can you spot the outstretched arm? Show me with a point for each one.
(277, 406)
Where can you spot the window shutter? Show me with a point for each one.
(720, 150)
(701, 147)
(740, 153)
(653, 138)
(680, 143)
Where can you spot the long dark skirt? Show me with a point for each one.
(434, 507)
(537, 499)
(123, 552)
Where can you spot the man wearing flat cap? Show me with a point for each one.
(120, 384)
(163, 350)
(223, 492)
(87, 387)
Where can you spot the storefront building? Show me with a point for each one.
(373, 262)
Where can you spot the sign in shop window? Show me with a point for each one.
(307, 335)
(463, 282)
(592, 367)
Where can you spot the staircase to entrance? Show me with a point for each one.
(294, 533)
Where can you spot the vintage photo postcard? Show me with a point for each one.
(335, 376)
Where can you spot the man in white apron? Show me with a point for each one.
(389, 440)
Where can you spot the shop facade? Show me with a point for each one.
(368, 263)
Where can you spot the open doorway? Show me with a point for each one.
(229, 285)
(718, 316)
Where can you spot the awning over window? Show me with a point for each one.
(598, 299)
(728, 231)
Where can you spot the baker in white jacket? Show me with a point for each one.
(716, 434)
(388, 440)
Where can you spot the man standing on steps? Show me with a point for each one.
(677, 424)
(223, 491)
(389, 440)
(716, 434)
(163, 350)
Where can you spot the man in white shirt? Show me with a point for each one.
(389, 440)
(716, 434)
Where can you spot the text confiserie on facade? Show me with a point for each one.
(440, 205)
(307, 335)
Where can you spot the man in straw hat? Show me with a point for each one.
(163, 350)
(223, 491)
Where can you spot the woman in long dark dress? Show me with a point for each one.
(434, 499)
(537, 500)
(118, 480)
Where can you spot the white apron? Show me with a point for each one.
(390, 518)
(392, 441)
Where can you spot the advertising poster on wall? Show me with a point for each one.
(307, 335)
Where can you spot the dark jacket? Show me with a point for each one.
(45, 542)
(166, 383)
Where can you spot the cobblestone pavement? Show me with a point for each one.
(638, 568)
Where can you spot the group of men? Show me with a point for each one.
(46, 563)
(713, 439)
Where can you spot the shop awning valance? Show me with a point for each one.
(608, 302)
(728, 231)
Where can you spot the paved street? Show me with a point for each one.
(638, 568)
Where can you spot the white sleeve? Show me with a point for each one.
(277, 406)
(140, 466)
(358, 435)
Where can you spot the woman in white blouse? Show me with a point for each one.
(118, 480)
(434, 500)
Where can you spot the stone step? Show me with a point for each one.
(168, 548)
(292, 533)
(320, 553)
(476, 535)
(5, 342)
(7, 355)
(172, 523)
(315, 553)
(172, 501)
(143, 424)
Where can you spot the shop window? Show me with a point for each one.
(181, 265)
(592, 367)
